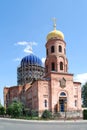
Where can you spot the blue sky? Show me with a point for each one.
(27, 22)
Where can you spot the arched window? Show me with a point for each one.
(52, 49)
(53, 66)
(62, 94)
(60, 48)
(45, 103)
(75, 103)
(61, 65)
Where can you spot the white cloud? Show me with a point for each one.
(28, 46)
(43, 60)
(17, 59)
(81, 78)
(23, 43)
(28, 49)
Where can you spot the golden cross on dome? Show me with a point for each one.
(54, 23)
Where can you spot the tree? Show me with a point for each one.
(2, 110)
(85, 114)
(15, 109)
(84, 95)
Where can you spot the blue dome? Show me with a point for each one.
(32, 60)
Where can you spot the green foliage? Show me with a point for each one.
(9, 110)
(85, 114)
(2, 110)
(25, 111)
(46, 114)
(15, 109)
(30, 113)
(84, 95)
(33, 113)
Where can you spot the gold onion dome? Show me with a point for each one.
(55, 34)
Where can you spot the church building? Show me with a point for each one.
(55, 90)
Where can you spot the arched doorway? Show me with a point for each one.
(62, 102)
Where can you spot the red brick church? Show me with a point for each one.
(55, 90)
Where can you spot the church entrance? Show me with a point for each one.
(62, 104)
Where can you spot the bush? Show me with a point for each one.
(2, 110)
(30, 113)
(46, 114)
(15, 109)
(33, 113)
(9, 111)
(85, 114)
(25, 111)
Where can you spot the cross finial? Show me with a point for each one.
(54, 23)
